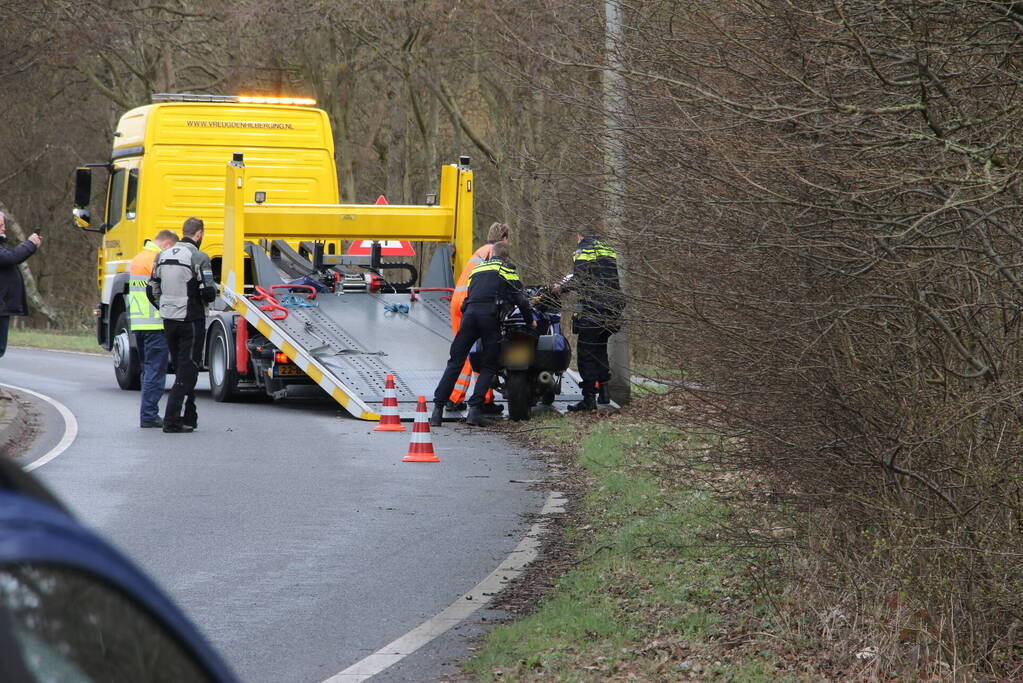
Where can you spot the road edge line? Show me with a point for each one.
(70, 427)
(524, 553)
(21, 347)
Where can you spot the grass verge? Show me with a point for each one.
(63, 341)
(641, 389)
(648, 594)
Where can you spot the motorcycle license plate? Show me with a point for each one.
(288, 371)
(518, 355)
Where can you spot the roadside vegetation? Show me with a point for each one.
(61, 341)
(646, 586)
(674, 563)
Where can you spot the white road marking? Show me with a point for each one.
(74, 353)
(70, 428)
(392, 653)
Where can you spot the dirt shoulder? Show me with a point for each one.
(17, 423)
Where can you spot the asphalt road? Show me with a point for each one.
(292, 534)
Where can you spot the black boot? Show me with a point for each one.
(585, 405)
(476, 418)
(437, 419)
(589, 389)
(491, 409)
(602, 397)
(456, 406)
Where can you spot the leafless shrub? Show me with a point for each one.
(824, 205)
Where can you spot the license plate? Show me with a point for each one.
(288, 371)
(518, 355)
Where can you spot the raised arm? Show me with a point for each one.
(11, 257)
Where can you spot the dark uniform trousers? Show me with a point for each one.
(592, 351)
(479, 321)
(184, 339)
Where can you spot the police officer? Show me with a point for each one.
(498, 232)
(182, 284)
(147, 327)
(594, 278)
(492, 283)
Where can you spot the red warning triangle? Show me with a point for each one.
(387, 247)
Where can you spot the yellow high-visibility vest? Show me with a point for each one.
(142, 314)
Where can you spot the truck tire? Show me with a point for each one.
(127, 368)
(223, 376)
(519, 394)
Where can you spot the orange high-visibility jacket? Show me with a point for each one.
(462, 286)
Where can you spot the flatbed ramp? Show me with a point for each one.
(360, 342)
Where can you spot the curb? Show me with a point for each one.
(14, 422)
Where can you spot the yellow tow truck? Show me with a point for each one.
(293, 311)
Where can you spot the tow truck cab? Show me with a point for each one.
(167, 164)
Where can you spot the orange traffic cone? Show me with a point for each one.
(420, 449)
(389, 420)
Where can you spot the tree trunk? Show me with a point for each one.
(396, 145)
(619, 352)
(343, 153)
(167, 81)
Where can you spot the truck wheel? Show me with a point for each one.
(127, 368)
(518, 394)
(223, 376)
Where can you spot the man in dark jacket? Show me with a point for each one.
(492, 283)
(12, 287)
(182, 286)
(594, 278)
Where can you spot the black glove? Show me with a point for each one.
(151, 295)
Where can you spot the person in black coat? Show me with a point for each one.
(594, 277)
(12, 287)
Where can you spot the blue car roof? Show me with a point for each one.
(34, 530)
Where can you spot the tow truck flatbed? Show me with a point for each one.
(345, 341)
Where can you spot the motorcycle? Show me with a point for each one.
(532, 360)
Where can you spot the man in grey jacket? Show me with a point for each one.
(12, 287)
(182, 286)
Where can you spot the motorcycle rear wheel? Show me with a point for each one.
(518, 394)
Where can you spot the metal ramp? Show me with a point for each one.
(360, 342)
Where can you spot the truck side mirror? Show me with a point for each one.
(83, 194)
(83, 187)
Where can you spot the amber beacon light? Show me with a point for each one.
(240, 99)
(258, 99)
